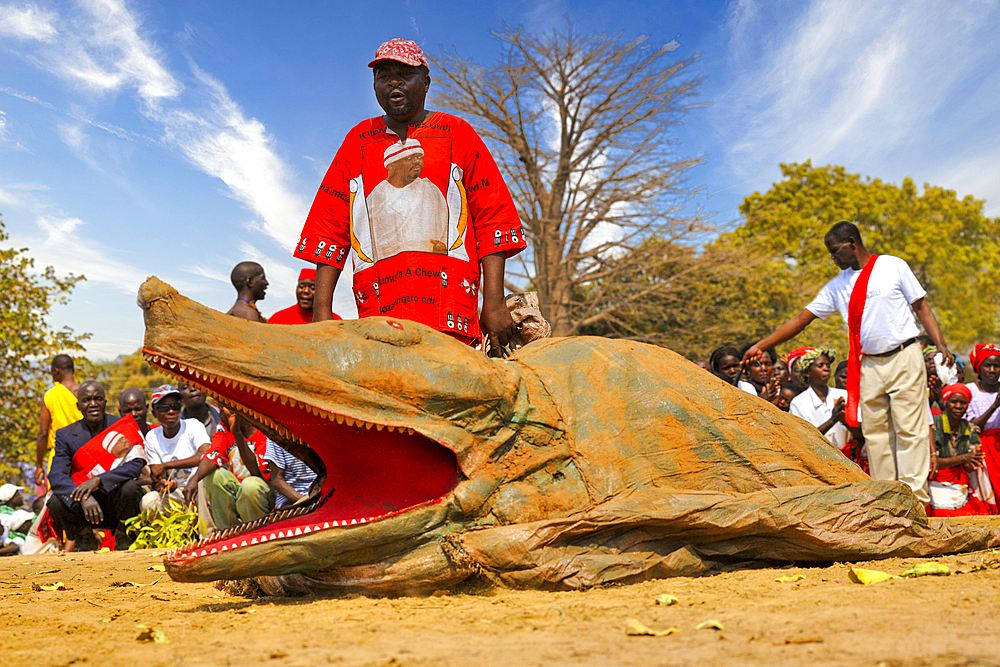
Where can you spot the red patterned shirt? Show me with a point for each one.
(224, 453)
(419, 216)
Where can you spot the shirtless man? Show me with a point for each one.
(251, 285)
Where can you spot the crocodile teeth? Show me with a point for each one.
(348, 421)
(391, 429)
(368, 426)
(409, 431)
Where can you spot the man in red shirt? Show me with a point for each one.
(418, 197)
(302, 311)
(235, 477)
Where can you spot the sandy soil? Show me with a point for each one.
(821, 619)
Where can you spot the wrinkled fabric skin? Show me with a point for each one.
(576, 462)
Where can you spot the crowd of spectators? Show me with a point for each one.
(810, 384)
(95, 470)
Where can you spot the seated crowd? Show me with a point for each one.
(100, 469)
(965, 433)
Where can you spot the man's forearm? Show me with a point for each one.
(279, 484)
(326, 282)
(926, 317)
(493, 271)
(42, 441)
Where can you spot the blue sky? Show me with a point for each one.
(178, 138)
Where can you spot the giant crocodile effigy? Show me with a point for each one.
(576, 462)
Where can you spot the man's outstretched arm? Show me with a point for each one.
(786, 331)
(326, 282)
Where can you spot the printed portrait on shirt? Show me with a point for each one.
(419, 205)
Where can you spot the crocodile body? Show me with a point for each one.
(577, 462)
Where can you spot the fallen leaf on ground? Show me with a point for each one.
(104, 550)
(157, 568)
(160, 598)
(859, 576)
(122, 584)
(710, 624)
(246, 611)
(666, 600)
(45, 572)
(58, 586)
(788, 580)
(636, 629)
(804, 640)
(925, 569)
(151, 635)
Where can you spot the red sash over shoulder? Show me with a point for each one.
(118, 443)
(855, 309)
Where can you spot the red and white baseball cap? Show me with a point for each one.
(402, 51)
(162, 392)
(399, 150)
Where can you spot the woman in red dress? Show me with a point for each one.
(959, 487)
(983, 404)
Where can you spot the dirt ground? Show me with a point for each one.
(821, 619)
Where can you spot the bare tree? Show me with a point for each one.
(580, 126)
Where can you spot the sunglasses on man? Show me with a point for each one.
(168, 407)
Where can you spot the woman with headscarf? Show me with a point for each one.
(983, 403)
(821, 405)
(959, 487)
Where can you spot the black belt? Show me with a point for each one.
(898, 348)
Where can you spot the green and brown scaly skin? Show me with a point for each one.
(577, 462)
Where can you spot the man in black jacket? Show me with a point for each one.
(105, 499)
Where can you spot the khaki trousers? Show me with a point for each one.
(895, 418)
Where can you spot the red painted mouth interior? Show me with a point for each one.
(371, 473)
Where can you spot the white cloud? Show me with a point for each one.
(72, 135)
(27, 22)
(864, 83)
(62, 242)
(224, 143)
(102, 49)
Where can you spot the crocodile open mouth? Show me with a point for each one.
(373, 470)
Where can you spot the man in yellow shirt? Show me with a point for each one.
(59, 409)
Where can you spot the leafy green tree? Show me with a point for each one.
(28, 342)
(127, 372)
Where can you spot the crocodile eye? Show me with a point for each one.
(395, 324)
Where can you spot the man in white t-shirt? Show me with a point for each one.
(821, 405)
(895, 414)
(173, 450)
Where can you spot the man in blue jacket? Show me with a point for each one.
(105, 499)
